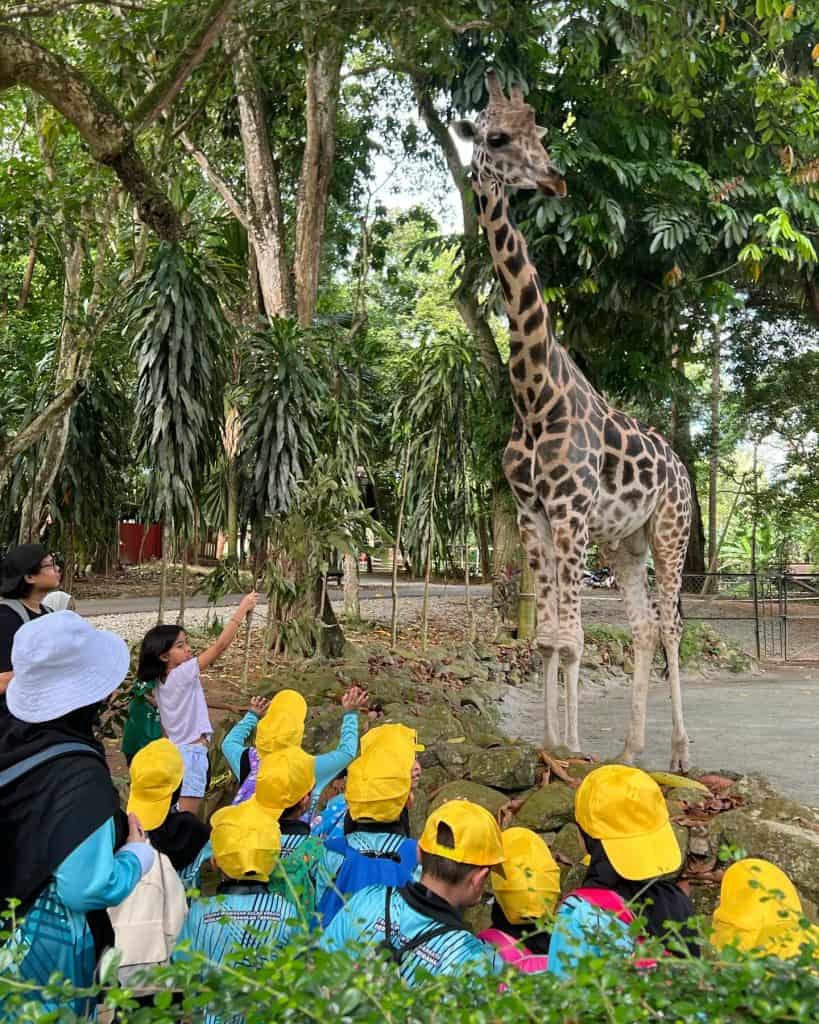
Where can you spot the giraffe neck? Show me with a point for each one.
(535, 358)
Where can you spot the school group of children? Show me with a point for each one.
(346, 869)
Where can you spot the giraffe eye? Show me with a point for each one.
(497, 139)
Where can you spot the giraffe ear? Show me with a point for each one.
(540, 131)
(464, 130)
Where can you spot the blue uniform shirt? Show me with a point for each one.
(363, 920)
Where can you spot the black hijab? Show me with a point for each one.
(180, 837)
(531, 935)
(656, 900)
(48, 812)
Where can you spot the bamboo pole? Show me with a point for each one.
(397, 548)
(430, 537)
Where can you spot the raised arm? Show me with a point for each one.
(225, 638)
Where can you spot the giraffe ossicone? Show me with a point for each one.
(580, 470)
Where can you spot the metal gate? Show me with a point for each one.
(775, 612)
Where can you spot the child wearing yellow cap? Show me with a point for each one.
(284, 786)
(279, 723)
(375, 848)
(624, 823)
(246, 846)
(760, 912)
(420, 925)
(525, 894)
(156, 773)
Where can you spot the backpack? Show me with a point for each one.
(148, 921)
(362, 868)
(397, 953)
(20, 608)
(510, 952)
(605, 899)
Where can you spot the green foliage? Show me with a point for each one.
(285, 390)
(179, 333)
(300, 983)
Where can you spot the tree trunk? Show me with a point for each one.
(231, 446)
(25, 288)
(402, 501)
(68, 359)
(183, 589)
(265, 222)
(713, 455)
(331, 641)
(526, 603)
(163, 574)
(482, 523)
(466, 297)
(352, 601)
(323, 52)
(430, 540)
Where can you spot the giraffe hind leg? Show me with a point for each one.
(629, 563)
(668, 563)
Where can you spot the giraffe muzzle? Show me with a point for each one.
(553, 186)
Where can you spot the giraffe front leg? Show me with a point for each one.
(536, 542)
(570, 555)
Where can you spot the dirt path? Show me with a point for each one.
(767, 724)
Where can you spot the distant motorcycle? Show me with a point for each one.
(599, 578)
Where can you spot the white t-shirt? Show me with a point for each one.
(182, 706)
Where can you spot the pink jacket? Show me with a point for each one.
(512, 953)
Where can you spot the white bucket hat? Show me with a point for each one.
(62, 663)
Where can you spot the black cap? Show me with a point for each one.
(21, 561)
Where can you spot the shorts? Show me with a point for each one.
(197, 769)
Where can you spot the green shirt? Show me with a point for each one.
(142, 725)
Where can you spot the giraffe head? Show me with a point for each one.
(506, 144)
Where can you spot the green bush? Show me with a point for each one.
(302, 984)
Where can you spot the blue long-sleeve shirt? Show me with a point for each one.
(55, 935)
(328, 765)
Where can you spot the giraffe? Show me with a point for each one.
(580, 470)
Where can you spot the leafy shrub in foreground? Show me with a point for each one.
(303, 984)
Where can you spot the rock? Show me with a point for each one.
(548, 808)
(433, 723)
(572, 878)
(479, 731)
(514, 678)
(591, 658)
(483, 652)
(471, 697)
(455, 758)
(510, 768)
(759, 794)
(628, 666)
(793, 849)
(683, 839)
(581, 770)
(463, 789)
(568, 844)
(677, 800)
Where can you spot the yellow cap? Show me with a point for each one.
(246, 841)
(284, 778)
(283, 723)
(156, 772)
(759, 909)
(624, 808)
(392, 735)
(530, 884)
(378, 785)
(476, 833)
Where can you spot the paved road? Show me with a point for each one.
(369, 591)
(767, 723)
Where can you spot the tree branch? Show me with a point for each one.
(170, 85)
(35, 428)
(25, 62)
(218, 183)
(47, 10)
(466, 298)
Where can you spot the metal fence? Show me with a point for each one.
(776, 611)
